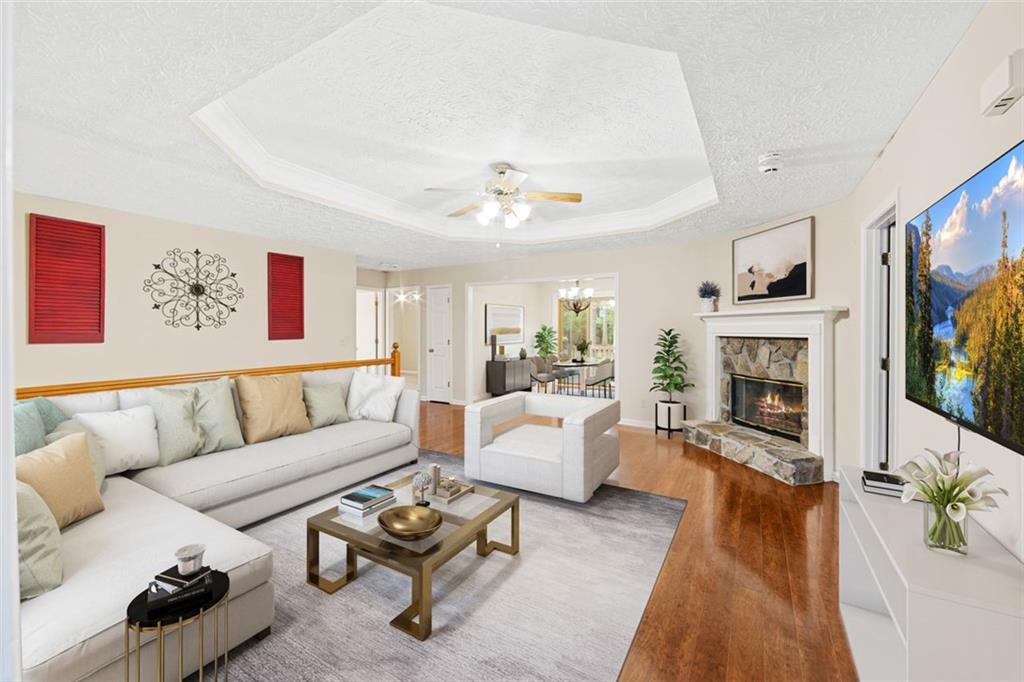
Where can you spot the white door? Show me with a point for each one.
(439, 343)
(368, 324)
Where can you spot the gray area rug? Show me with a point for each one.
(564, 608)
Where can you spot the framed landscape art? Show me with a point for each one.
(776, 264)
(507, 322)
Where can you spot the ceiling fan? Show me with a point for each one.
(501, 196)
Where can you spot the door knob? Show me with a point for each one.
(430, 350)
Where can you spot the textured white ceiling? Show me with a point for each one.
(103, 94)
(415, 95)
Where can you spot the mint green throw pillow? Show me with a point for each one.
(29, 431)
(178, 434)
(48, 410)
(215, 415)
(325, 405)
(40, 564)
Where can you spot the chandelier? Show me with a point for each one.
(575, 299)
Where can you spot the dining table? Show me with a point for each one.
(583, 369)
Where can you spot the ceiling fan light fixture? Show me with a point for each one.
(490, 208)
(523, 210)
(511, 220)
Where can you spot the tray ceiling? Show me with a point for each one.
(382, 100)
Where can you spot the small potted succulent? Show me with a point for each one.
(708, 292)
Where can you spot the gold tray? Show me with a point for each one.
(409, 522)
(443, 496)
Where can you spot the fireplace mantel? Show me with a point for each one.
(814, 323)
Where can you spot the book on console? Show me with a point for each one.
(367, 496)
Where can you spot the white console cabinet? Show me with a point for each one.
(915, 614)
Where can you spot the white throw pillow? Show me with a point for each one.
(128, 438)
(374, 397)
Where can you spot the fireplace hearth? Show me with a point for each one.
(773, 406)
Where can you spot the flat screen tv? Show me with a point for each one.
(965, 303)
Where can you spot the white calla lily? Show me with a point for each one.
(910, 492)
(956, 511)
(950, 462)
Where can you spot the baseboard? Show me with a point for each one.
(639, 423)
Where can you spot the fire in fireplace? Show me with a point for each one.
(769, 405)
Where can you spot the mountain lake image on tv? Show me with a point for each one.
(965, 303)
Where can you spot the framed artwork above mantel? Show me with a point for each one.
(776, 264)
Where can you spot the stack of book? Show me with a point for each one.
(170, 590)
(882, 483)
(366, 500)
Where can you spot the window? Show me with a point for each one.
(595, 324)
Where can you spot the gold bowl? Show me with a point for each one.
(409, 522)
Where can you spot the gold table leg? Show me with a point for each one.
(484, 548)
(313, 576)
(422, 606)
(127, 651)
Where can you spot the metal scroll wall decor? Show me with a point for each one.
(193, 289)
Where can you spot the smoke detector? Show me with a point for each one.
(769, 163)
(1004, 86)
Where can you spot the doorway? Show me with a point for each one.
(439, 343)
(879, 342)
(370, 328)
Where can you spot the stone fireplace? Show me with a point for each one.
(764, 385)
(769, 390)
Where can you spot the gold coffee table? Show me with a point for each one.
(464, 521)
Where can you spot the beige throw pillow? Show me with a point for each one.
(40, 565)
(62, 475)
(99, 465)
(271, 406)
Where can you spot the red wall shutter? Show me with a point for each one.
(65, 280)
(285, 297)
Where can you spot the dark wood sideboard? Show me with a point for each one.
(505, 376)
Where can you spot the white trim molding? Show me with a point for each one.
(816, 324)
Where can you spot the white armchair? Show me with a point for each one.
(568, 462)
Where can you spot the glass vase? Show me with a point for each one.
(942, 533)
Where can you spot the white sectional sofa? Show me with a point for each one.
(76, 631)
(568, 462)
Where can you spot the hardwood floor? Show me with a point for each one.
(748, 589)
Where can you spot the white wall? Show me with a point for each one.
(136, 341)
(943, 141)
(527, 294)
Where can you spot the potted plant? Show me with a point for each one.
(669, 377)
(582, 346)
(545, 341)
(708, 292)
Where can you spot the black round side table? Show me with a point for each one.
(137, 621)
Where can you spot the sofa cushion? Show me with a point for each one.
(62, 475)
(212, 480)
(50, 413)
(39, 558)
(100, 401)
(69, 426)
(374, 396)
(325, 405)
(29, 431)
(108, 559)
(528, 456)
(178, 434)
(271, 407)
(127, 437)
(217, 416)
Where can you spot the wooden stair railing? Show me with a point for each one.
(394, 361)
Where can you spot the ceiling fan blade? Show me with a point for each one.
(512, 179)
(573, 197)
(463, 211)
(448, 189)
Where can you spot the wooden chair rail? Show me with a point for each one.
(394, 362)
